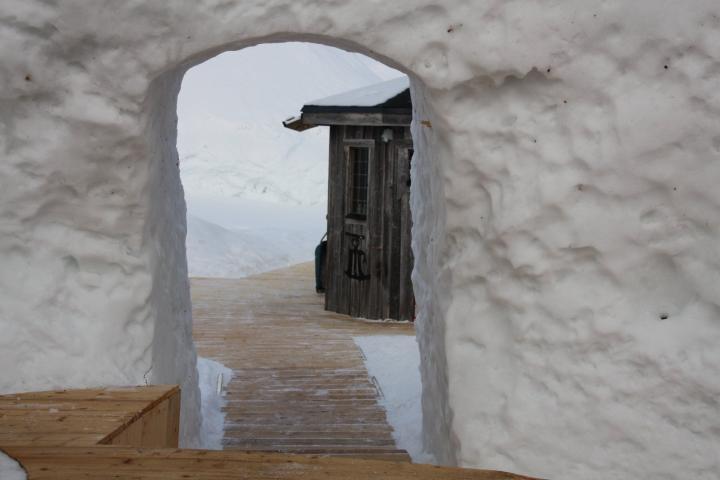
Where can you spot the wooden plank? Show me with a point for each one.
(139, 464)
(336, 206)
(154, 393)
(357, 119)
(375, 232)
(406, 300)
(158, 427)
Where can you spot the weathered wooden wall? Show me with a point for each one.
(386, 230)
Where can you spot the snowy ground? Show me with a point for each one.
(10, 469)
(394, 361)
(211, 374)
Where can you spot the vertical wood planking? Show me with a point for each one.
(388, 291)
(395, 228)
(336, 198)
(406, 310)
(387, 231)
(332, 247)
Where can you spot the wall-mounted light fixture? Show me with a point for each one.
(387, 135)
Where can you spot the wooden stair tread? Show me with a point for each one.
(54, 463)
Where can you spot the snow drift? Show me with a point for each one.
(394, 361)
(565, 206)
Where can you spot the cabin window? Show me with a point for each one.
(358, 168)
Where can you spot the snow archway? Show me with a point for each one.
(167, 215)
(566, 210)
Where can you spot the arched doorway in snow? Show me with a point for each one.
(243, 174)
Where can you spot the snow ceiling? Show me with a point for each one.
(565, 205)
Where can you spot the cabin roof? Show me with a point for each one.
(384, 103)
(377, 96)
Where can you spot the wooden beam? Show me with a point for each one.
(360, 119)
(130, 463)
(297, 124)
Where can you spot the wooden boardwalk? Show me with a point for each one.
(130, 433)
(300, 384)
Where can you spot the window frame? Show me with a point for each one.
(369, 145)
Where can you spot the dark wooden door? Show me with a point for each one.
(359, 237)
(369, 224)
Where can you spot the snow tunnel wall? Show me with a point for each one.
(564, 198)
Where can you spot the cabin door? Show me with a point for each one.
(358, 236)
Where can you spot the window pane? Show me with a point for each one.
(359, 160)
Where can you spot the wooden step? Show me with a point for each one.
(139, 464)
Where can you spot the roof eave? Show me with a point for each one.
(376, 118)
(297, 124)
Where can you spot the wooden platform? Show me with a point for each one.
(300, 384)
(139, 416)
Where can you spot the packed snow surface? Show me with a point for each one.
(394, 361)
(10, 469)
(212, 374)
(369, 96)
(566, 215)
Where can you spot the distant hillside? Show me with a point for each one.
(214, 251)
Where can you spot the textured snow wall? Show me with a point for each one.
(564, 198)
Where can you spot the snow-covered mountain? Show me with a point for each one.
(256, 191)
(214, 251)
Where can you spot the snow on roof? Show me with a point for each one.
(369, 96)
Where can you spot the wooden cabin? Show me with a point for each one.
(369, 260)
